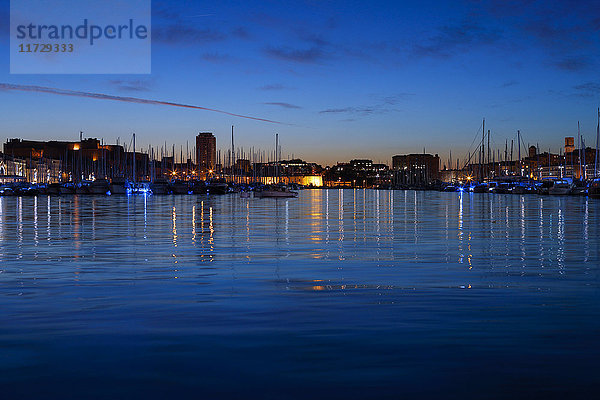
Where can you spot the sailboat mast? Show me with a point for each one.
(519, 146)
(579, 150)
(482, 151)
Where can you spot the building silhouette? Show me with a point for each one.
(416, 169)
(206, 153)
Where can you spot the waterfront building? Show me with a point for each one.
(416, 169)
(569, 145)
(86, 159)
(206, 153)
(359, 173)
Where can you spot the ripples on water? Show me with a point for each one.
(338, 293)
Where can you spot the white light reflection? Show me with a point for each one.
(174, 227)
(377, 227)
(460, 228)
(541, 225)
(211, 231)
(145, 217)
(522, 223)
(287, 226)
(48, 213)
(354, 213)
(416, 219)
(194, 223)
(20, 227)
(560, 254)
(327, 219)
(341, 223)
(586, 245)
(1, 223)
(35, 223)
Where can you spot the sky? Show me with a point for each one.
(346, 79)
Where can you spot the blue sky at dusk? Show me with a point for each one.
(348, 79)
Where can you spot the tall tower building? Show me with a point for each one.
(569, 145)
(206, 153)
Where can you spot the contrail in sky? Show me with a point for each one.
(101, 96)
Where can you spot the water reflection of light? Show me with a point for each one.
(416, 219)
(248, 245)
(59, 217)
(48, 213)
(586, 244)
(391, 211)
(315, 220)
(341, 223)
(1, 220)
(94, 219)
(327, 218)
(354, 214)
(460, 228)
(377, 212)
(174, 226)
(35, 222)
(20, 226)
(211, 231)
(248, 223)
(341, 214)
(364, 214)
(541, 226)
(522, 224)
(560, 256)
(202, 230)
(194, 223)
(75, 227)
(145, 217)
(287, 223)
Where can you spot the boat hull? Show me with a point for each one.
(276, 194)
(116, 188)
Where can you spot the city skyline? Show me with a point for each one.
(346, 80)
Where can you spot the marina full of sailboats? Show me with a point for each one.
(90, 167)
(106, 171)
(571, 173)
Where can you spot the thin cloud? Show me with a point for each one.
(562, 29)
(395, 99)
(587, 89)
(241, 33)
(102, 96)
(137, 85)
(451, 39)
(572, 64)
(509, 84)
(310, 55)
(349, 110)
(384, 104)
(284, 105)
(180, 34)
(274, 86)
(217, 58)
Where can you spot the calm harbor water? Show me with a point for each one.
(337, 294)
